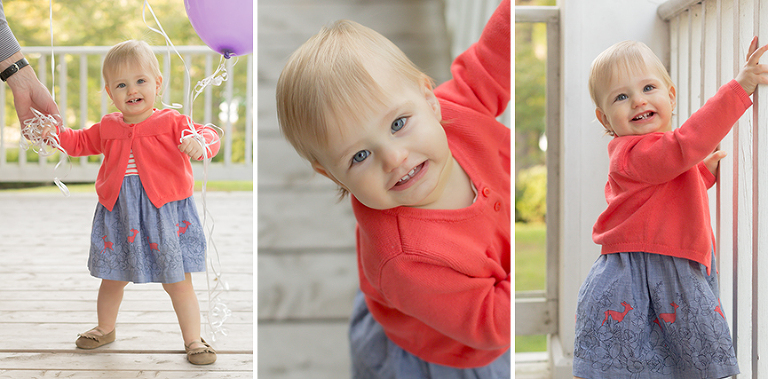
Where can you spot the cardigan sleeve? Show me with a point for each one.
(8, 43)
(660, 157)
(481, 74)
(472, 310)
(708, 176)
(212, 140)
(81, 142)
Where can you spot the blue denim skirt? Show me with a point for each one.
(375, 356)
(642, 315)
(137, 242)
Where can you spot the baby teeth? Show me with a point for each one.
(408, 175)
(643, 116)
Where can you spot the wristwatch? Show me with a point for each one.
(14, 68)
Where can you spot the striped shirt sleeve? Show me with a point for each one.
(8, 43)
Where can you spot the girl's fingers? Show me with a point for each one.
(754, 57)
(752, 47)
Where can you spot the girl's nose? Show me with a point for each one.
(393, 157)
(639, 100)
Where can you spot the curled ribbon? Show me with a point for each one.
(33, 132)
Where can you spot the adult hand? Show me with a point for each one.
(28, 92)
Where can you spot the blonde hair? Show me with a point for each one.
(626, 56)
(326, 80)
(131, 53)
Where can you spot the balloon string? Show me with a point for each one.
(218, 311)
(33, 129)
(53, 58)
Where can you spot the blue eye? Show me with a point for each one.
(361, 155)
(621, 97)
(121, 85)
(398, 124)
(649, 87)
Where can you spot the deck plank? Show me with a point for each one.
(47, 295)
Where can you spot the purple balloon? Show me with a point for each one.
(226, 26)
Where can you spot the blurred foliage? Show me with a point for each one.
(531, 194)
(530, 116)
(106, 23)
(530, 94)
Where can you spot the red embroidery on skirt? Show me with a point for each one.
(152, 245)
(107, 245)
(718, 310)
(668, 317)
(133, 235)
(182, 229)
(616, 315)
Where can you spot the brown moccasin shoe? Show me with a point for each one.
(200, 355)
(94, 338)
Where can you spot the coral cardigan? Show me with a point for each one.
(438, 281)
(165, 172)
(657, 184)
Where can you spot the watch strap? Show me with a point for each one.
(14, 68)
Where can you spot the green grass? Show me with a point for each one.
(530, 256)
(211, 186)
(530, 273)
(530, 344)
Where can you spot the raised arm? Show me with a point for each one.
(481, 75)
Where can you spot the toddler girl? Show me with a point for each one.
(146, 227)
(650, 307)
(429, 174)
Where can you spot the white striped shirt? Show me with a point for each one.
(131, 169)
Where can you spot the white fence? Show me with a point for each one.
(708, 45)
(229, 106)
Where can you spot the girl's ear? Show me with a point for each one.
(158, 84)
(604, 120)
(322, 171)
(429, 95)
(672, 96)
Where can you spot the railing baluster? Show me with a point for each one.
(249, 111)
(228, 88)
(85, 171)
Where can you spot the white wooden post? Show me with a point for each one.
(584, 155)
(761, 200)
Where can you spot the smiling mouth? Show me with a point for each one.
(409, 175)
(133, 101)
(643, 116)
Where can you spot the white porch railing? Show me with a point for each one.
(536, 311)
(235, 159)
(708, 45)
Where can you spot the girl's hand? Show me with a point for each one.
(753, 73)
(47, 131)
(192, 148)
(712, 160)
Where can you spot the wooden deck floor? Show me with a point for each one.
(47, 296)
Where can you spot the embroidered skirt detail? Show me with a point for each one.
(642, 315)
(375, 356)
(140, 243)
